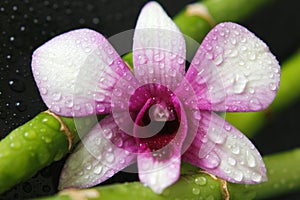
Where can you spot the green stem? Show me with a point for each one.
(284, 176)
(196, 25)
(34, 146)
(289, 92)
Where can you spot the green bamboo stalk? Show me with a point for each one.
(288, 93)
(34, 146)
(283, 173)
(58, 147)
(197, 24)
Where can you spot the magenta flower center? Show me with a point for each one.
(157, 116)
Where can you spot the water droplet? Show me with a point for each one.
(233, 41)
(237, 175)
(43, 91)
(99, 97)
(22, 28)
(219, 60)
(216, 137)
(15, 145)
(250, 159)
(142, 59)
(204, 139)
(109, 173)
(255, 104)
(233, 53)
(100, 108)
(107, 133)
(200, 180)
(211, 161)
(235, 149)
(273, 86)
(195, 191)
(256, 177)
(159, 57)
(98, 169)
(240, 83)
(20, 106)
(172, 72)
(208, 47)
(89, 108)
(209, 56)
(252, 56)
(30, 135)
(231, 161)
(56, 96)
(180, 60)
(228, 127)
(109, 157)
(117, 92)
(16, 85)
(251, 90)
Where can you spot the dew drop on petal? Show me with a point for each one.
(180, 61)
(240, 83)
(43, 91)
(237, 175)
(235, 149)
(255, 104)
(56, 96)
(209, 56)
(256, 177)
(98, 169)
(217, 137)
(107, 133)
(219, 60)
(272, 86)
(100, 108)
(250, 159)
(211, 161)
(109, 157)
(117, 92)
(251, 90)
(231, 161)
(228, 127)
(89, 108)
(159, 57)
(142, 59)
(172, 72)
(252, 57)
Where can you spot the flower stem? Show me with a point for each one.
(289, 92)
(197, 19)
(35, 145)
(283, 175)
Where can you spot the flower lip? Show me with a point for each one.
(157, 122)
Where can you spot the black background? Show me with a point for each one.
(27, 24)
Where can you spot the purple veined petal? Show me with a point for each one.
(233, 70)
(158, 48)
(76, 71)
(161, 168)
(222, 150)
(102, 153)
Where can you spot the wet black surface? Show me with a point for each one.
(26, 24)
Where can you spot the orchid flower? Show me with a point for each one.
(158, 114)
